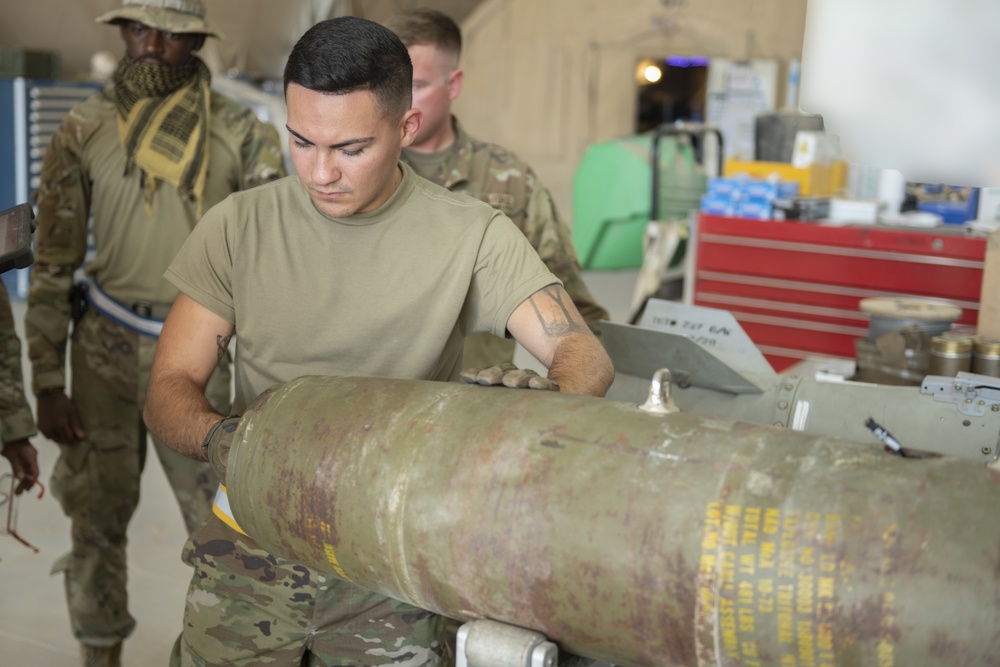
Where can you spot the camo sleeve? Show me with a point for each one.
(261, 153)
(63, 208)
(551, 237)
(16, 420)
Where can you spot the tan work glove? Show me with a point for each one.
(508, 375)
(217, 444)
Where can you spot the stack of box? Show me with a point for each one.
(744, 197)
(816, 180)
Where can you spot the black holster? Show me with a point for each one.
(77, 303)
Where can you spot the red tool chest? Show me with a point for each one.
(795, 286)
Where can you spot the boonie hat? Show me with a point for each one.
(179, 16)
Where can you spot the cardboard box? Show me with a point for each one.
(725, 187)
(714, 204)
(757, 189)
(815, 180)
(755, 209)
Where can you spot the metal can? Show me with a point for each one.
(951, 353)
(888, 314)
(986, 357)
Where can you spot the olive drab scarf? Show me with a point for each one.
(163, 115)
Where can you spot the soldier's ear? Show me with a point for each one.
(411, 122)
(455, 84)
(199, 41)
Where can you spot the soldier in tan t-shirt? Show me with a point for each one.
(353, 266)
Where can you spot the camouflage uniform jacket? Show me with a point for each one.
(84, 172)
(16, 421)
(498, 177)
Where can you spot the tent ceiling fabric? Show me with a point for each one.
(259, 33)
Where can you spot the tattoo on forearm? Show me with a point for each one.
(223, 343)
(564, 324)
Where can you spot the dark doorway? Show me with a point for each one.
(670, 89)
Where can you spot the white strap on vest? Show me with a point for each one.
(116, 312)
(222, 509)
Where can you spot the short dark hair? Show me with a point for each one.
(347, 54)
(427, 26)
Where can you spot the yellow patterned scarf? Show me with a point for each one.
(163, 115)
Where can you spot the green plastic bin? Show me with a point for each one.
(612, 196)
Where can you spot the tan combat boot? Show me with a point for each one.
(101, 656)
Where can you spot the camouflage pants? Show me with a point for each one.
(249, 608)
(97, 479)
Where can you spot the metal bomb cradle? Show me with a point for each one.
(723, 374)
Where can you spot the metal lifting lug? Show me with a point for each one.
(660, 401)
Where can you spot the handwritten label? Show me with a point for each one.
(711, 328)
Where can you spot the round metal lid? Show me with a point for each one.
(910, 309)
